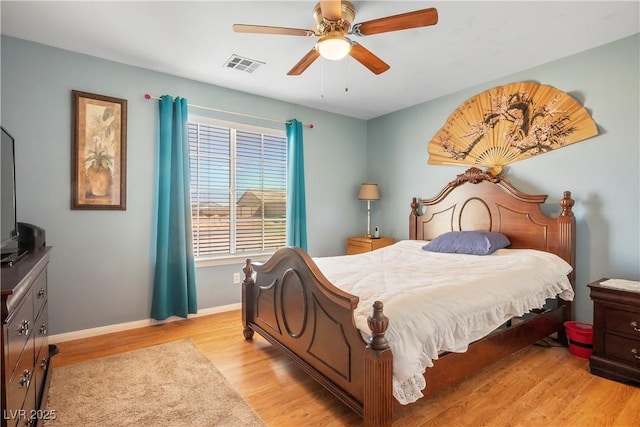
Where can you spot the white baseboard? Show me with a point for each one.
(101, 330)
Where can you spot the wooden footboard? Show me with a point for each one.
(291, 304)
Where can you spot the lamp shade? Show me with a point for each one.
(369, 191)
(333, 47)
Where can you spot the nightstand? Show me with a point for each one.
(616, 333)
(358, 245)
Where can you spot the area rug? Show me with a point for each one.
(170, 385)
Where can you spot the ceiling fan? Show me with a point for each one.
(332, 22)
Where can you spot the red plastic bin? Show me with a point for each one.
(580, 337)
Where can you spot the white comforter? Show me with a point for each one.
(442, 302)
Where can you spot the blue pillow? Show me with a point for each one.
(468, 242)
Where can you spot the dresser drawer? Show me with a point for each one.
(41, 349)
(20, 382)
(623, 321)
(41, 331)
(382, 242)
(623, 349)
(18, 332)
(39, 370)
(358, 247)
(39, 292)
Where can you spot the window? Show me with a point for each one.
(238, 188)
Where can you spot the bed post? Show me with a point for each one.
(247, 299)
(378, 372)
(567, 243)
(567, 232)
(413, 220)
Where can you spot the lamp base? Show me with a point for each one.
(368, 236)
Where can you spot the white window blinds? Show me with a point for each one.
(238, 189)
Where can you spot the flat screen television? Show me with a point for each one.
(8, 221)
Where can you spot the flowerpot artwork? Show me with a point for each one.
(99, 152)
(99, 181)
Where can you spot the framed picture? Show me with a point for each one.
(98, 152)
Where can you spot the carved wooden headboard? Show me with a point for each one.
(476, 200)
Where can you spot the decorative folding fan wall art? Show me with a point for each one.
(510, 123)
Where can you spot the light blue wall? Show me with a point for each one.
(101, 268)
(603, 173)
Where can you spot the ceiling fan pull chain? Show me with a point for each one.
(346, 75)
(321, 78)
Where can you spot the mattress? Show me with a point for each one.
(443, 302)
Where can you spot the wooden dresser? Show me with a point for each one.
(25, 347)
(616, 333)
(358, 245)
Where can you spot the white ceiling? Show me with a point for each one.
(473, 42)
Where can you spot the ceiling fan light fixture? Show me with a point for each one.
(333, 47)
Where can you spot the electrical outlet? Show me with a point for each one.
(236, 278)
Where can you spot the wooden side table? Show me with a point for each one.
(616, 333)
(358, 244)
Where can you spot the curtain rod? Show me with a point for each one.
(310, 126)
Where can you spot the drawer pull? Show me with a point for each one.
(24, 327)
(42, 293)
(634, 325)
(25, 379)
(635, 353)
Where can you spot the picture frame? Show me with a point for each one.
(98, 152)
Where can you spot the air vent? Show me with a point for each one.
(243, 64)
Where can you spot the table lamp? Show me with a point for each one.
(369, 192)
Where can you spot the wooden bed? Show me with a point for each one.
(289, 302)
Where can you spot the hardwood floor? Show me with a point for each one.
(536, 387)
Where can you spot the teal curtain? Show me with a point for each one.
(174, 287)
(296, 202)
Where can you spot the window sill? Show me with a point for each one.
(239, 259)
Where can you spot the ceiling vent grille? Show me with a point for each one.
(243, 64)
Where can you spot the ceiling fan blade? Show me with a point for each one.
(368, 59)
(263, 29)
(304, 63)
(404, 21)
(331, 9)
